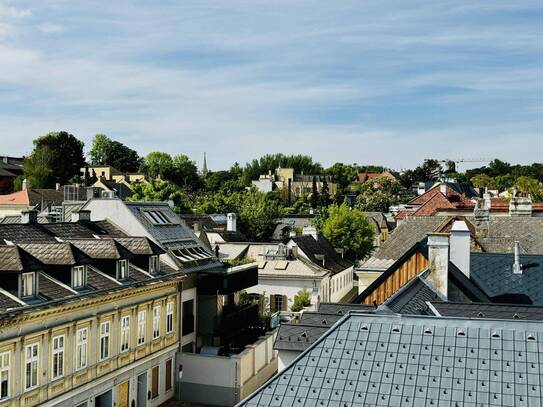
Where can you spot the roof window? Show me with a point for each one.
(156, 217)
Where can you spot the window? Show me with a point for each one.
(79, 276)
(125, 333)
(81, 349)
(29, 285)
(156, 322)
(122, 269)
(188, 317)
(58, 357)
(154, 382)
(278, 303)
(104, 340)
(31, 366)
(156, 217)
(141, 327)
(4, 375)
(169, 317)
(168, 374)
(154, 264)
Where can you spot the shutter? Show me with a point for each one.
(154, 382)
(284, 303)
(168, 374)
(123, 394)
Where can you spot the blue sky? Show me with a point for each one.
(384, 82)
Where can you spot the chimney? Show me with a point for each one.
(520, 206)
(5, 159)
(460, 246)
(421, 189)
(29, 217)
(25, 185)
(438, 255)
(517, 267)
(82, 215)
(310, 231)
(196, 226)
(57, 186)
(481, 211)
(443, 188)
(321, 258)
(487, 199)
(231, 224)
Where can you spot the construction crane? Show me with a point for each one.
(446, 163)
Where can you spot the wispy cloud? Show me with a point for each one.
(388, 82)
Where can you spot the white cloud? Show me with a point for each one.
(51, 28)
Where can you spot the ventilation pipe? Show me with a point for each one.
(517, 267)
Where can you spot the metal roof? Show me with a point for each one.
(393, 360)
(495, 311)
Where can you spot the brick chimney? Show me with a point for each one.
(520, 206)
(460, 246)
(481, 211)
(438, 256)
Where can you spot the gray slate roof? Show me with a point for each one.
(392, 360)
(493, 273)
(411, 298)
(494, 311)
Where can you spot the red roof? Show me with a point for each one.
(32, 197)
(16, 198)
(366, 176)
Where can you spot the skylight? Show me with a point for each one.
(156, 217)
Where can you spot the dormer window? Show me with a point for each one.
(122, 269)
(154, 264)
(28, 284)
(79, 276)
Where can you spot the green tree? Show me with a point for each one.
(159, 190)
(59, 155)
(218, 202)
(157, 164)
(483, 181)
(106, 151)
(342, 174)
(314, 198)
(184, 173)
(258, 215)
(270, 162)
(38, 169)
(350, 230)
(378, 194)
(301, 300)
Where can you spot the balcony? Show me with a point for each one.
(225, 281)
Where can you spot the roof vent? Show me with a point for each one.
(517, 267)
(531, 337)
(480, 314)
(428, 331)
(516, 316)
(461, 333)
(364, 328)
(396, 329)
(495, 335)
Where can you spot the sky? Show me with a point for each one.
(369, 82)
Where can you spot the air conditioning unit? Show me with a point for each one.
(108, 194)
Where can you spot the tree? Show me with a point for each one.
(184, 173)
(378, 194)
(325, 193)
(301, 300)
(218, 202)
(314, 198)
(159, 190)
(59, 155)
(483, 181)
(350, 230)
(270, 162)
(105, 151)
(157, 164)
(258, 214)
(342, 174)
(38, 169)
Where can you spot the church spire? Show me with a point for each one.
(204, 167)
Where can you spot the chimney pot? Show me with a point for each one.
(25, 185)
(57, 186)
(517, 267)
(443, 188)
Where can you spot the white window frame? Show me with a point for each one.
(156, 322)
(32, 362)
(125, 333)
(120, 274)
(169, 317)
(5, 373)
(105, 336)
(79, 276)
(27, 291)
(154, 264)
(57, 350)
(81, 348)
(142, 316)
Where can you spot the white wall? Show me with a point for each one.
(285, 358)
(188, 295)
(341, 284)
(282, 286)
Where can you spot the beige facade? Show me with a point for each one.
(72, 354)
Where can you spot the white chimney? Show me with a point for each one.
(82, 215)
(520, 206)
(517, 267)
(438, 256)
(231, 223)
(57, 186)
(460, 246)
(443, 188)
(421, 189)
(29, 217)
(25, 185)
(487, 199)
(310, 231)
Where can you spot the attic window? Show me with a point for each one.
(156, 217)
(28, 285)
(79, 276)
(154, 264)
(122, 269)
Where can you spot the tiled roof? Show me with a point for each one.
(494, 311)
(321, 246)
(342, 309)
(493, 272)
(140, 245)
(100, 248)
(392, 360)
(7, 303)
(17, 219)
(12, 258)
(99, 281)
(50, 289)
(55, 253)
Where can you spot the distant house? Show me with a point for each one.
(367, 176)
(112, 181)
(30, 198)
(10, 168)
(296, 185)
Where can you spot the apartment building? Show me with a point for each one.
(89, 316)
